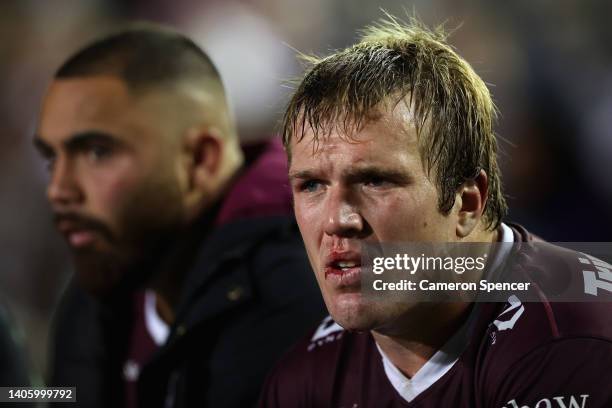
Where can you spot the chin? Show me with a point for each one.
(354, 313)
(354, 322)
(100, 273)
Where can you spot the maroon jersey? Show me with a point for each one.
(148, 333)
(517, 354)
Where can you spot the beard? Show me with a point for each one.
(124, 258)
(100, 272)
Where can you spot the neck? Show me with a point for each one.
(428, 327)
(479, 234)
(412, 346)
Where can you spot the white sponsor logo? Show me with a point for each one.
(554, 402)
(326, 333)
(599, 279)
(517, 306)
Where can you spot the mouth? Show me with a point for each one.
(80, 238)
(77, 235)
(343, 270)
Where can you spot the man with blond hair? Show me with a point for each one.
(391, 141)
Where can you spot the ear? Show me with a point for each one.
(204, 149)
(471, 199)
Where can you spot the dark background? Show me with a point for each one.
(548, 64)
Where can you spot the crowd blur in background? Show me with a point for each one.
(548, 65)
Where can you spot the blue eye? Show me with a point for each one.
(379, 183)
(310, 186)
(375, 182)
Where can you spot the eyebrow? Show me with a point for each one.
(43, 148)
(76, 142)
(302, 174)
(359, 174)
(364, 173)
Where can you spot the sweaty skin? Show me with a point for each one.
(373, 188)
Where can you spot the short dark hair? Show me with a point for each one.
(392, 62)
(142, 55)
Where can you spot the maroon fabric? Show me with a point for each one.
(142, 346)
(554, 355)
(263, 189)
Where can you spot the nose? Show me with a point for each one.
(63, 188)
(343, 216)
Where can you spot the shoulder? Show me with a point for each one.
(562, 303)
(564, 273)
(553, 343)
(268, 239)
(570, 293)
(318, 347)
(521, 328)
(539, 354)
(307, 373)
(280, 269)
(265, 245)
(278, 240)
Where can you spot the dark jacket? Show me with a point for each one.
(14, 370)
(13, 362)
(247, 297)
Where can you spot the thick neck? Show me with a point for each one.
(412, 346)
(411, 342)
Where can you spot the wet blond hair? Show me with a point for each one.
(395, 61)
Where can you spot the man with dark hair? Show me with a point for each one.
(391, 141)
(185, 240)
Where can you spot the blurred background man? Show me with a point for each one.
(185, 240)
